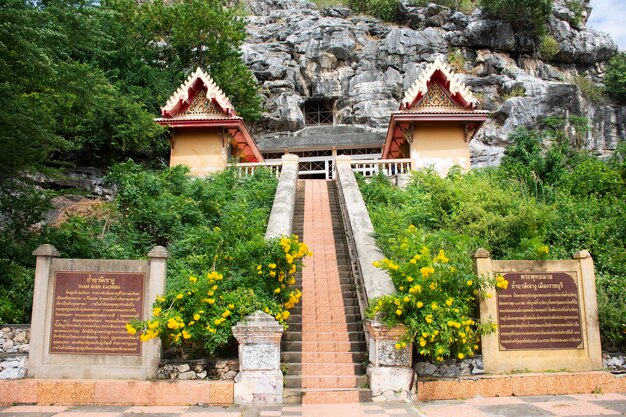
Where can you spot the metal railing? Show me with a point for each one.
(388, 167)
(247, 168)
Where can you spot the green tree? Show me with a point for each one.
(615, 78)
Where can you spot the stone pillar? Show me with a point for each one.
(45, 254)
(389, 371)
(155, 286)
(259, 380)
(281, 217)
(590, 302)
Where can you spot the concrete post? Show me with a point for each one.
(45, 254)
(281, 217)
(590, 302)
(155, 286)
(259, 380)
(389, 371)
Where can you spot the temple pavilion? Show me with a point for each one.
(437, 119)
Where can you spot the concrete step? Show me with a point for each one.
(325, 381)
(310, 309)
(323, 346)
(296, 336)
(333, 316)
(326, 396)
(327, 369)
(326, 327)
(322, 357)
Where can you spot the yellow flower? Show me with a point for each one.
(153, 325)
(130, 329)
(460, 356)
(449, 302)
(469, 282)
(409, 279)
(226, 313)
(258, 267)
(286, 315)
(399, 312)
(272, 266)
(231, 306)
(272, 274)
(398, 346)
(186, 334)
(156, 311)
(407, 299)
(193, 279)
(434, 305)
(209, 300)
(277, 290)
(429, 318)
(413, 261)
(543, 249)
(196, 317)
(160, 299)
(420, 304)
(179, 296)
(422, 342)
(289, 258)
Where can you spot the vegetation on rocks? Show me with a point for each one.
(615, 78)
(547, 201)
(212, 227)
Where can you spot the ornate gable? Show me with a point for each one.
(198, 98)
(439, 78)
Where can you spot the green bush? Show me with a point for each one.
(383, 9)
(547, 200)
(549, 47)
(615, 78)
(589, 89)
(524, 15)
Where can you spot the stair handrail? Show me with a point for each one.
(280, 222)
(371, 282)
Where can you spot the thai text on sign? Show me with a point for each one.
(539, 310)
(90, 311)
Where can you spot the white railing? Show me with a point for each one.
(388, 167)
(247, 168)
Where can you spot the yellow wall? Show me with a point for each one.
(439, 145)
(201, 149)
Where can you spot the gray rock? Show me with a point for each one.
(187, 376)
(10, 373)
(492, 34)
(182, 368)
(425, 368)
(7, 345)
(586, 47)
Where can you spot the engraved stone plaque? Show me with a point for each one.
(539, 310)
(90, 311)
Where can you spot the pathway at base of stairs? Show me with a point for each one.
(586, 405)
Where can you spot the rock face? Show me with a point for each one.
(362, 66)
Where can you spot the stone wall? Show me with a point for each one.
(14, 345)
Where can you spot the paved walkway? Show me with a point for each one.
(588, 405)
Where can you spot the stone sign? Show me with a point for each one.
(539, 310)
(80, 311)
(90, 311)
(547, 317)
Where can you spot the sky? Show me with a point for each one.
(610, 16)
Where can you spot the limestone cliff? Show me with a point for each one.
(298, 51)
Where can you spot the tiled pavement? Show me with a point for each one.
(588, 405)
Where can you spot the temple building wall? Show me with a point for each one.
(440, 146)
(201, 149)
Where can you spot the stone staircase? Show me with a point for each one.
(323, 351)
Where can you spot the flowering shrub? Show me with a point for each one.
(201, 312)
(434, 300)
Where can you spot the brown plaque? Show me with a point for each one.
(90, 311)
(539, 310)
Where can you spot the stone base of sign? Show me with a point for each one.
(547, 317)
(114, 392)
(259, 387)
(520, 385)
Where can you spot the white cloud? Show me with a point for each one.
(609, 16)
